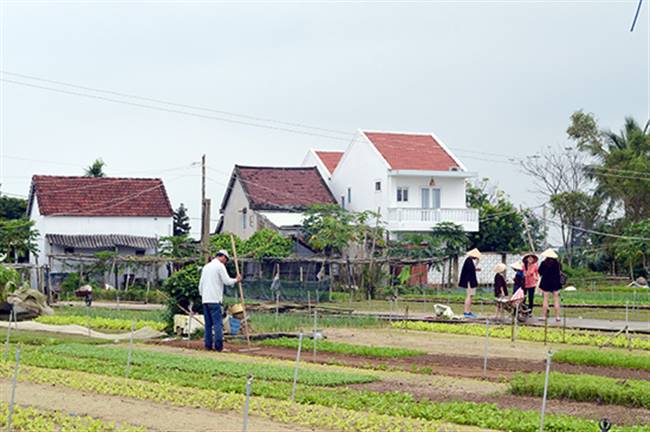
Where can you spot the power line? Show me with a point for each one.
(180, 105)
(600, 233)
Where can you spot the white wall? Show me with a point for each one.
(360, 167)
(452, 191)
(232, 214)
(311, 159)
(79, 225)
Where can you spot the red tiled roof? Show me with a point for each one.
(270, 188)
(106, 196)
(412, 152)
(330, 159)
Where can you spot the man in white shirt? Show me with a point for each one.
(213, 278)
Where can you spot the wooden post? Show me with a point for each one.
(241, 289)
(49, 280)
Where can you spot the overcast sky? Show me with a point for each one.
(491, 79)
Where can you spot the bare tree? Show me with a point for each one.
(560, 172)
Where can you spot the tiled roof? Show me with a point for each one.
(288, 188)
(330, 159)
(412, 151)
(102, 241)
(106, 196)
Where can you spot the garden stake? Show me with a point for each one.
(11, 317)
(295, 371)
(564, 325)
(128, 360)
(308, 302)
(516, 321)
(189, 324)
(548, 370)
(627, 325)
(512, 330)
(277, 305)
(88, 319)
(241, 291)
(13, 390)
(485, 353)
(314, 334)
(249, 382)
(545, 328)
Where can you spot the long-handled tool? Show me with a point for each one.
(241, 293)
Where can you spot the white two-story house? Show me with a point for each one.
(413, 179)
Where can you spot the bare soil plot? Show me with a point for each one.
(152, 416)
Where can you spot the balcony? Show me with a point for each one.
(423, 219)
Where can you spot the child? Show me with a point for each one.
(500, 288)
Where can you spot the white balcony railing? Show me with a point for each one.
(412, 218)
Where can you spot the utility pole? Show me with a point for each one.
(205, 215)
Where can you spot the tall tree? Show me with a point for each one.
(502, 225)
(622, 161)
(17, 239)
(181, 221)
(96, 169)
(12, 208)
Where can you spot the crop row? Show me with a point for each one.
(584, 388)
(100, 322)
(535, 334)
(201, 365)
(334, 418)
(487, 416)
(27, 419)
(603, 358)
(343, 348)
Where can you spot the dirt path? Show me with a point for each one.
(152, 416)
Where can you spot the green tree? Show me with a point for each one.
(579, 212)
(12, 208)
(634, 249)
(181, 221)
(9, 280)
(329, 228)
(267, 243)
(17, 238)
(96, 169)
(182, 289)
(623, 161)
(502, 226)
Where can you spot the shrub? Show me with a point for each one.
(267, 243)
(9, 279)
(182, 288)
(70, 284)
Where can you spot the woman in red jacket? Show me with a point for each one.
(531, 277)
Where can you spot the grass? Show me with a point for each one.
(584, 388)
(343, 348)
(28, 337)
(113, 324)
(99, 312)
(534, 334)
(290, 322)
(344, 409)
(26, 419)
(603, 358)
(175, 363)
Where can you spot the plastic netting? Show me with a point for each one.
(283, 290)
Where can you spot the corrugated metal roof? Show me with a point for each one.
(101, 241)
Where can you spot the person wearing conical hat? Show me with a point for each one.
(550, 271)
(518, 281)
(531, 278)
(500, 287)
(469, 281)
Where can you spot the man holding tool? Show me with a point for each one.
(213, 278)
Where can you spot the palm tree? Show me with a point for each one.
(96, 169)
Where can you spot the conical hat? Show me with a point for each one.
(550, 253)
(474, 253)
(500, 268)
(530, 254)
(517, 265)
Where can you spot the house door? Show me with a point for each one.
(430, 200)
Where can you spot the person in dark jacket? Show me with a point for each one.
(519, 280)
(500, 287)
(469, 281)
(550, 271)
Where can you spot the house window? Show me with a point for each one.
(402, 194)
(244, 219)
(68, 250)
(349, 195)
(139, 252)
(343, 201)
(377, 186)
